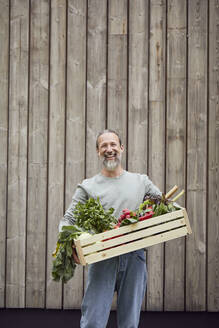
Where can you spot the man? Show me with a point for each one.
(126, 273)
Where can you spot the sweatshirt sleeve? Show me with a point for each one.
(151, 189)
(80, 195)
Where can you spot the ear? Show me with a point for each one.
(122, 148)
(98, 152)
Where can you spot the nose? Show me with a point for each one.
(109, 148)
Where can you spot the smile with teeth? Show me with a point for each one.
(110, 156)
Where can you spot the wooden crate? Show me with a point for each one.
(133, 237)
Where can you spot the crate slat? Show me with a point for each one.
(133, 227)
(133, 237)
(145, 242)
(80, 252)
(187, 221)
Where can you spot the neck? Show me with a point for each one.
(112, 174)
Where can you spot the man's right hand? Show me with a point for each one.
(75, 255)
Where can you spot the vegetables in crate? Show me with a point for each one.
(91, 217)
(159, 205)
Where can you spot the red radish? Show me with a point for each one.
(122, 217)
(146, 216)
(126, 211)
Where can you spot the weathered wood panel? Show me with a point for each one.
(17, 157)
(213, 160)
(144, 68)
(197, 155)
(117, 74)
(75, 124)
(37, 154)
(96, 80)
(4, 59)
(175, 145)
(56, 141)
(138, 88)
(117, 69)
(156, 151)
(96, 85)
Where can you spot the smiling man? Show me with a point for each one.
(126, 274)
(110, 150)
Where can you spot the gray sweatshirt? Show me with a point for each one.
(124, 191)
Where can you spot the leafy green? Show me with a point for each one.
(89, 217)
(160, 209)
(64, 265)
(143, 206)
(159, 204)
(92, 217)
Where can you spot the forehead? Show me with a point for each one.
(108, 137)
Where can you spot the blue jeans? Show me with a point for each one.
(125, 274)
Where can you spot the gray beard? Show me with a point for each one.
(111, 165)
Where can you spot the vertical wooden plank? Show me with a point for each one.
(4, 57)
(156, 151)
(56, 141)
(17, 157)
(75, 124)
(117, 69)
(138, 86)
(37, 158)
(117, 73)
(213, 160)
(96, 80)
(96, 84)
(196, 155)
(176, 145)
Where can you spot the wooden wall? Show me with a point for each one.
(68, 69)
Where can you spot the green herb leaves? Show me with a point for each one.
(92, 217)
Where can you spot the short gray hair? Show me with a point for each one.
(108, 131)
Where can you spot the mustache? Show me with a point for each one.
(109, 154)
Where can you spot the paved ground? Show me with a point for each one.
(32, 318)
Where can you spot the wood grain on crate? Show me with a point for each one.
(135, 236)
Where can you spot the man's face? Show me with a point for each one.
(110, 151)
